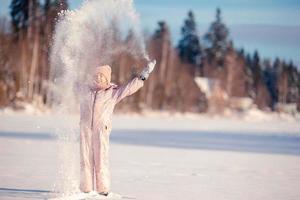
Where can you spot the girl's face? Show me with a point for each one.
(100, 80)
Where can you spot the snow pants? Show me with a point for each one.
(94, 159)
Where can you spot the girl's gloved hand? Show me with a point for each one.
(146, 72)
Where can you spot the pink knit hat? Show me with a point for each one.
(106, 71)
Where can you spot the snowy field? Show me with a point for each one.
(163, 157)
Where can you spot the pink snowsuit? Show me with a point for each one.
(96, 111)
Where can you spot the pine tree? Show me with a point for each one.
(216, 40)
(283, 83)
(61, 5)
(260, 93)
(51, 8)
(189, 46)
(293, 79)
(249, 75)
(19, 12)
(161, 48)
(256, 66)
(270, 79)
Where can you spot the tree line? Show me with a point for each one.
(25, 42)
(240, 74)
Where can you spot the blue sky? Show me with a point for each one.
(271, 26)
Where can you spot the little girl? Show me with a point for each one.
(96, 111)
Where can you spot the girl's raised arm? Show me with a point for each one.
(134, 85)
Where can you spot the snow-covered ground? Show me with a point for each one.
(160, 156)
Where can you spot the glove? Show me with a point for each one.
(146, 72)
